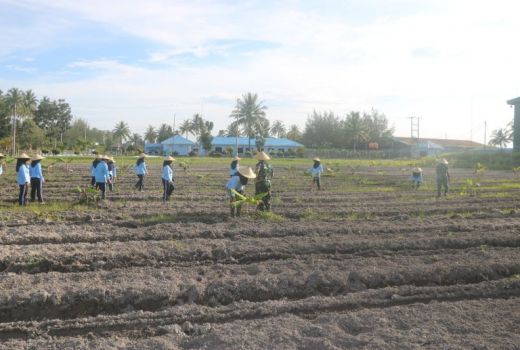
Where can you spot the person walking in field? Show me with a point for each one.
(102, 176)
(316, 170)
(443, 177)
(264, 174)
(112, 173)
(2, 163)
(37, 179)
(417, 177)
(167, 178)
(93, 170)
(237, 183)
(23, 177)
(141, 171)
(234, 167)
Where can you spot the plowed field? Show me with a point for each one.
(367, 263)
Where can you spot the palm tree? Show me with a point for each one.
(278, 129)
(186, 127)
(150, 135)
(294, 133)
(250, 114)
(233, 129)
(499, 138)
(355, 128)
(136, 140)
(121, 132)
(21, 105)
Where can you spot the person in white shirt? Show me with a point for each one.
(167, 178)
(316, 170)
(238, 183)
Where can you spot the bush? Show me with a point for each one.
(216, 154)
(193, 154)
(175, 153)
(300, 152)
(55, 152)
(45, 151)
(230, 150)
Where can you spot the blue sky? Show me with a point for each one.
(453, 63)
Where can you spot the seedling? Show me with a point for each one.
(470, 188)
(88, 196)
(254, 200)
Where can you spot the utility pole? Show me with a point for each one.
(414, 132)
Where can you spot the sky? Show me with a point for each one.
(453, 63)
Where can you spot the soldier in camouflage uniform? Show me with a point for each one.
(264, 174)
(443, 177)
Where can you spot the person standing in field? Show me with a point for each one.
(237, 183)
(23, 177)
(234, 167)
(2, 163)
(167, 178)
(316, 170)
(102, 176)
(37, 179)
(264, 174)
(443, 177)
(140, 170)
(417, 177)
(112, 173)
(93, 170)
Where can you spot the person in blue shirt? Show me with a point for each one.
(316, 170)
(234, 167)
(140, 170)
(167, 178)
(238, 183)
(101, 175)
(2, 163)
(37, 179)
(417, 177)
(24, 177)
(112, 173)
(93, 170)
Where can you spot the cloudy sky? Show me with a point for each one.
(454, 63)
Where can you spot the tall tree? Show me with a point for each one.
(322, 130)
(278, 129)
(233, 129)
(294, 133)
(355, 129)
(121, 133)
(499, 138)
(5, 127)
(136, 140)
(150, 135)
(15, 104)
(250, 115)
(165, 132)
(186, 127)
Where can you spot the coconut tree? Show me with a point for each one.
(21, 105)
(150, 134)
(355, 128)
(294, 133)
(250, 115)
(136, 140)
(499, 138)
(233, 129)
(121, 133)
(186, 127)
(278, 129)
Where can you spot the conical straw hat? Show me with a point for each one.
(38, 157)
(262, 156)
(169, 159)
(237, 158)
(142, 155)
(23, 156)
(2, 155)
(247, 172)
(316, 159)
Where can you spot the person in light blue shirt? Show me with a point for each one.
(167, 178)
(37, 179)
(417, 177)
(112, 173)
(237, 183)
(24, 177)
(102, 176)
(93, 170)
(140, 170)
(315, 171)
(234, 167)
(2, 163)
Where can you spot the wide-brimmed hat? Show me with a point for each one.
(443, 161)
(237, 158)
(316, 159)
(38, 157)
(142, 155)
(110, 158)
(169, 159)
(262, 156)
(417, 170)
(105, 157)
(98, 156)
(2, 155)
(23, 156)
(247, 172)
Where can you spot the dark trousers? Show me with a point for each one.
(263, 187)
(93, 181)
(167, 189)
(103, 188)
(140, 183)
(22, 196)
(36, 189)
(111, 184)
(317, 181)
(442, 183)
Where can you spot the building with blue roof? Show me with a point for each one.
(174, 145)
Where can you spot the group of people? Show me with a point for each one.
(29, 176)
(442, 177)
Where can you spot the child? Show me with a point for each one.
(264, 174)
(316, 170)
(112, 173)
(23, 178)
(167, 178)
(2, 163)
(37, 179)
(93, 170)
(140, 170)
(417, 177)
(233, 169)
(238, 183)
(101, 175)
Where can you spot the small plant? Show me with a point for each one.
(270, 216)
(254, 200)
(88, 196)
(185, 165)
(470, 188)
